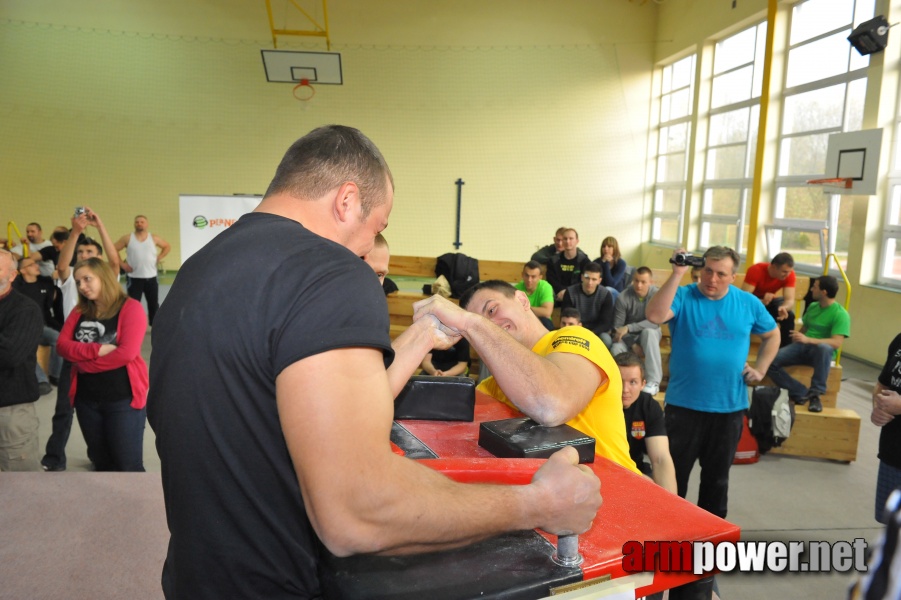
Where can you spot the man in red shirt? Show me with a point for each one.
(764, 280)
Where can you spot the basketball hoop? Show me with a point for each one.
(305, 94)
(837, 182)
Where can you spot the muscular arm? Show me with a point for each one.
(109, 248)
(663, 469)
(68, 250)
(835, 341)
(361, 497)
(164, 247)
(550, 389)
(410, 349)
(545, 310)
(659, 307)
(769, 346)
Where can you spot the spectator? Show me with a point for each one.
(20, 324)
(34, 240)
(826, 325)
(42, 291)
(711, 325)
(453, 362)
(80, 247)
(594, 302)
(633, 331)
(764, 280)
(886, 406)
(645, 425)
(538, 291)
(570, 317)
(142, 263)
(554, 377)
(102, 339)
(378, 258)
(613, 268)
(546, 253)
(565, 268)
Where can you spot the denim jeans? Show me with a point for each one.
(114, 434)
(818, 356)
(48, 338)
(711, 439)
(649, 340)
(55, 452)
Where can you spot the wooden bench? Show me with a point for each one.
(419, 266)
(831, 434)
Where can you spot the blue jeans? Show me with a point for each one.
(818, 356)
(55, 453)
(114, 434)
(711, 439)
(48, 338)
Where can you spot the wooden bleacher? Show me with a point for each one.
(831, 434)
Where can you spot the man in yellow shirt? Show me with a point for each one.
(554, 377)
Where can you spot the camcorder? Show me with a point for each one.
(683, 259)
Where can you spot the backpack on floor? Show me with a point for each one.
(771, 416)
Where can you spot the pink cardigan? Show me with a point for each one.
(85, 358)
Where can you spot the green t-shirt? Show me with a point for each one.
(543, 294)
(823, 323)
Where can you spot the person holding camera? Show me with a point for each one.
(711, 323)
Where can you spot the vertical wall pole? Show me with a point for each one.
(460, 183)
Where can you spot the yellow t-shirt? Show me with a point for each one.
(603, 417)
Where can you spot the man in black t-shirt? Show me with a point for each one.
(565, 268)
(886, 407)
(272, 408)
(645, 426)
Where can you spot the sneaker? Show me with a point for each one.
(53, 380)
(797, 400)
(44, 388)
(815, 404)
(53, 468)
(651, 388)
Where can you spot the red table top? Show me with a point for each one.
(634, 507)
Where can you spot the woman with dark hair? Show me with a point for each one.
(613, 267)
(102, 339)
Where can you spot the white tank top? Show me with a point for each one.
(141, 256)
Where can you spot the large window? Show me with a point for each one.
(890, 264)
(732, 138)
(825, 85)
(674, 133)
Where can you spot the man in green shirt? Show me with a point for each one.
(539, 292)
(826, 325)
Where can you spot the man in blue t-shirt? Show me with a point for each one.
(711, 323)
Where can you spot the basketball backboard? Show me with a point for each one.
(288, 66)
(854, 156)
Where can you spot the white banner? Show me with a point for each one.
(201, 218)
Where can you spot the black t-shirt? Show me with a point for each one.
(563, 272)
(890, 436)
(259, 297)
(43, 292)
(106, 386)
(644, 419)
(443, 360)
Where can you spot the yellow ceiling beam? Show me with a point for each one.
(317, 30)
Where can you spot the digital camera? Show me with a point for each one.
(684, 259)
(79, 210)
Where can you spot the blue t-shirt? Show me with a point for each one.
(710, 347)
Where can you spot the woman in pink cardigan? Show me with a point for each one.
(102, 339)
